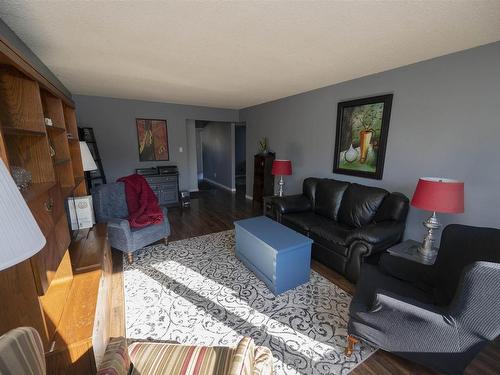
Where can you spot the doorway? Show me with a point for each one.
(240, 159)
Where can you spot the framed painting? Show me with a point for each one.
(152, 137)
(361, 137)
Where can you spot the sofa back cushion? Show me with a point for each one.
(329, 195)
(393, 208)
(109, 202)
(360, 204)
(309, 188)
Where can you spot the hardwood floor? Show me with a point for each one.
(214, 210)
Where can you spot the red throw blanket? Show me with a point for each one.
(142, 203)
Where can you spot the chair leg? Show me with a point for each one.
(130, 258)
(351, 341)
(165, 241)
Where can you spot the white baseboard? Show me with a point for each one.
(220, 185)
(249, 197)
(194, 190)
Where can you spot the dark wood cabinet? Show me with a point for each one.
(263, 180)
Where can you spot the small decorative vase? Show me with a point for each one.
(351, 155)
(365, 136)
(21, 177)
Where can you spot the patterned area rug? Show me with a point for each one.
(195, 291)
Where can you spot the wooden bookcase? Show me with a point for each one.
(49, 291)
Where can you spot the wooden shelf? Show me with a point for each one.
(34, 190)
(61, 161)
(68, 190)
(55, 129)
(9, 130)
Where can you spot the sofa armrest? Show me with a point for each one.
(387, 232)
(292, 203)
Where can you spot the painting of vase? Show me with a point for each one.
(361, 136)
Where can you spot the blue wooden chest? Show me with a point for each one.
(277, 255)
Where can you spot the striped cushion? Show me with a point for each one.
(251, 360)
(116, 360)
(157, 358)
(263, 363)
(243, 358)
(21, 352)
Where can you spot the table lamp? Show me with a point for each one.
(87, 159)
(281, 168)
(437, 195)
(20, 234)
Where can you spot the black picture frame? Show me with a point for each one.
(349, 119)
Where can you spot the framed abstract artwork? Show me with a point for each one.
(152, 137)
(361, 137)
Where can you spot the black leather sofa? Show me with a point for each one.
(348, 222)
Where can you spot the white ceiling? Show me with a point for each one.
(237, 54)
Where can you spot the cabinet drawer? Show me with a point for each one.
(161, 179)
(58, 202)
(42, 208)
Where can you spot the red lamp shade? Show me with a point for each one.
(282, 168)
(439, 195)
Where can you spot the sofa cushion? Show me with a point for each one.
(303, 221)
(329, 195)
(332, 236)
(21, 352)
(394, 207)
(172, 359)
(116, 360)
(372, 280)
(360, 204)
(309, 188)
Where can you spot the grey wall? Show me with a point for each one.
(113, 121)
(218, 153)
(445, 122)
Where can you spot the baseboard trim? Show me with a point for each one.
(194, 190)
(220, 185)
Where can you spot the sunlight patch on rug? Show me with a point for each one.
(195, 291)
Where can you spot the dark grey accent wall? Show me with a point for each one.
(445, 122)
(113, 121)
(217, 152)
(9, 35)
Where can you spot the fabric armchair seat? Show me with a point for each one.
(349, 223)
(441, 315)
(110, 207)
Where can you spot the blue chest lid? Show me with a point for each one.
(273, 233)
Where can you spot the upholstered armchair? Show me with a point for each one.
(441, 315)
(110, 207)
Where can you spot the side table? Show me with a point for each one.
(268, 207)
(409, 250)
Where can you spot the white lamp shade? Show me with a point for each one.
(87, 159)
(20, 235)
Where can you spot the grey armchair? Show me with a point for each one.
(110, 207)
(441, 315)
